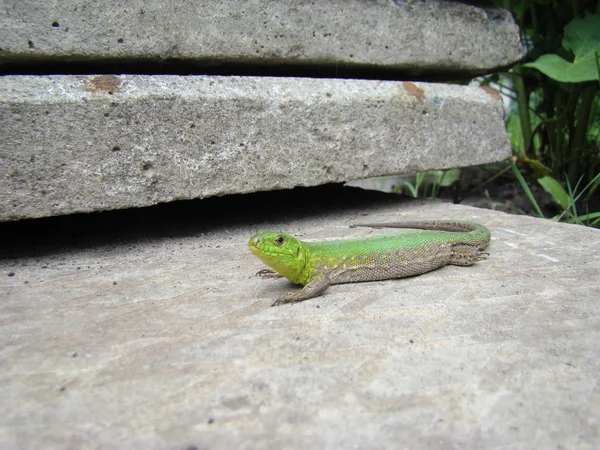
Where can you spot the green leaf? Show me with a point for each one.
(515, 134)
(594, 215)
(555, 189)
(446, 178)
(582, 38)
(413, 191)
(538, 169)
(525, 188)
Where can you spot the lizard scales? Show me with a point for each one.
(317, 265)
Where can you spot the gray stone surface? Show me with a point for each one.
(88, 143)
(167, 341)
(411, 36)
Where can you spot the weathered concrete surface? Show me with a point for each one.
(412, 36)
(164, 339)
(83, 143)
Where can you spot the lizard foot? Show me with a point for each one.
(268, 273)
(283, 301)
(289, 298)
(483, 255)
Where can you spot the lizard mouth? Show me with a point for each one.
(257, 249)
(255, 244)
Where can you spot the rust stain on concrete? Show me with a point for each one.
(494, 93)
(414, 90)
(104, 84)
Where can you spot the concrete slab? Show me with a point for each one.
(148, 330)
(417, 37)
(92, 143)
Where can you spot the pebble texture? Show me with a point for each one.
(169, 342)
(416, 37)
(90, 143)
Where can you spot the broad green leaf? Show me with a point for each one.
(582, 38)
(555, 189)
(560, 70)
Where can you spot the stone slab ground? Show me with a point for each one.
(147, 329)
(413, 37)
(91, 143)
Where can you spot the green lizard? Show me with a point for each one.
(317, 265)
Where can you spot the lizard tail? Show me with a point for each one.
(439, 225)
(473, 234)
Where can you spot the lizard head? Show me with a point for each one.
(280, 252)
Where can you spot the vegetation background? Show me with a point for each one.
(553, 117)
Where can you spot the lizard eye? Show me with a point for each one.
(279, 240)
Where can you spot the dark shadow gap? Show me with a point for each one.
(188, 67)
(36, 237)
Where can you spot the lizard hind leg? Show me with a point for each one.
(466, 255)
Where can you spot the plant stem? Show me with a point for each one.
(581, 127)
(523, 108)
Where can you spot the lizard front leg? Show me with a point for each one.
(268, 273)
(313, 288)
